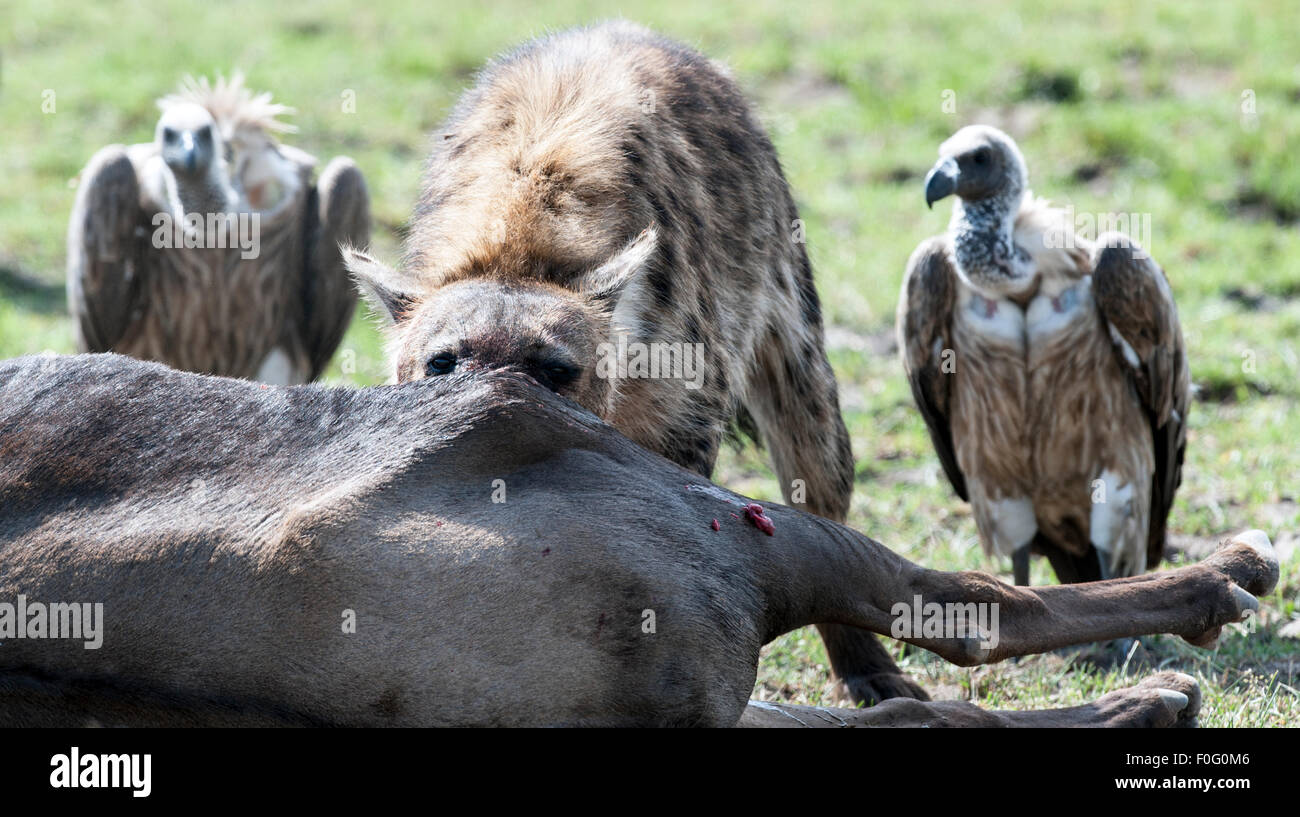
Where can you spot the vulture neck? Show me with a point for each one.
(209, 193)
(983, 236)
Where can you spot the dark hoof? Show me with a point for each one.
(1250, 565)
(1164, 700)
(1249, 560)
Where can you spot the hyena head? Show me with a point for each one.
(555, 334)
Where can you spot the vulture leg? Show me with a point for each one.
(1167, 699)
(1123, 647)
(102, 275)
(1103, 563)
(1069, 569)
(1020, 564)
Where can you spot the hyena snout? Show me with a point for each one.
(546, 332)
(551, 332)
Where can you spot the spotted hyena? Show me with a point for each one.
(603, 200)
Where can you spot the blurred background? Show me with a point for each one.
(1188, 112)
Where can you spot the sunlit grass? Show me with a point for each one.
(1184, 111)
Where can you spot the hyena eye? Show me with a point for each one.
(560, 373)
(443, 363)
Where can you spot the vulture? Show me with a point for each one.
(1050, 370)
(210, 248)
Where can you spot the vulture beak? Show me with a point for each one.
(188, 151)
(941, 181)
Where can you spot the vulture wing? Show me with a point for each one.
(103, 278)
(925, 308)
(1134, 298)
(338, 213)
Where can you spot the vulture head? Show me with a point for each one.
(984, 169)
(248, 123)
(190, 144)
(188, 140)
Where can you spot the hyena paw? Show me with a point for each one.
(870, 690)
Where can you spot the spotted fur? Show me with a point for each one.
(605, 181)
(605, 184)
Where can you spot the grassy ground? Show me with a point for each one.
(1183, 110)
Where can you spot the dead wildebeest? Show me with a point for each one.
(603, 211)
(310, 555)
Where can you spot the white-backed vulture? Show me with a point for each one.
(210, 249)
(1050, 370)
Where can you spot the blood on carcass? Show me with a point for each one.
(714, 524)
(754, 513)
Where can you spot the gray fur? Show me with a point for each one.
(227, 528)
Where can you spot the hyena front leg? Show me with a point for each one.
(794, 402)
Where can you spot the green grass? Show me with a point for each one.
(1118, 109)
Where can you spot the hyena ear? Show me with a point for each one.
(609, 281)
(383, 287)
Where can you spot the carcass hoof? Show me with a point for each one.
(1250, 563)
(1249, 560)
(1166, 699)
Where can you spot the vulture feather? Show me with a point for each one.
(1050, 370)
(211, 249)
